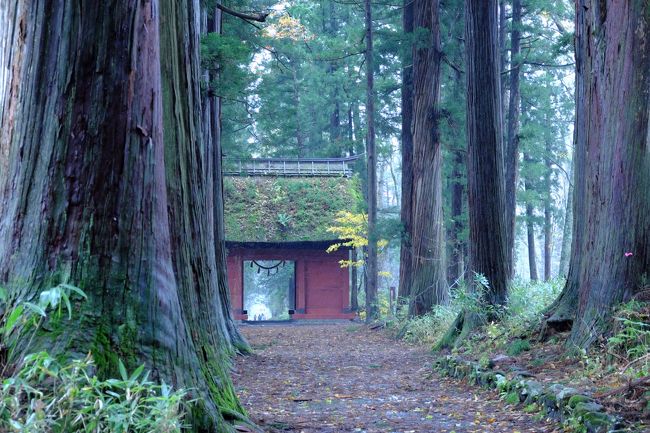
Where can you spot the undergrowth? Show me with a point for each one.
(45, 394)
(526, 303)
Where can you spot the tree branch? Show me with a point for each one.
(259, 17)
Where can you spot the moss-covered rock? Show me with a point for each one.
(556, 400)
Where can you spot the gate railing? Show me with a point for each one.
(335, 167)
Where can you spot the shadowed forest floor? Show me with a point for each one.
(347, 378)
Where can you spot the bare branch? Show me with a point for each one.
(259, 17)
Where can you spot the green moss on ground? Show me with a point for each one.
(277, 209)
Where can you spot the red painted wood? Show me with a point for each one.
(322, 286)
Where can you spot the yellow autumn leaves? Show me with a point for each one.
(352, 229)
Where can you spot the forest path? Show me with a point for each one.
(347, 378)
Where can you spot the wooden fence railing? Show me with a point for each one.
(336, 167)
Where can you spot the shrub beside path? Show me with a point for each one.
(348, 378)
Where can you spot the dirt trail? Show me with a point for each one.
(347, 378)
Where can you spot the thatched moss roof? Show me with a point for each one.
(283, 209)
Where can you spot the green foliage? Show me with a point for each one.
(48, 396)
(44, 394)
(305, 95)
(512, 397)
(428, 328)
(517, 346)
(274, 209)
(631, 337)
(526, 304)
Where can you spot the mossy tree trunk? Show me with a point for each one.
(428, 274)
(104, 184)
(211, 107)
(611, 247)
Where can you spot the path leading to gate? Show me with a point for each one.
(347, 378)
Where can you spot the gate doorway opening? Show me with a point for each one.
(269, 289)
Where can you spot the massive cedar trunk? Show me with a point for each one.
(485, 176)
(407, 156)
(372, 309)
(512, 137)
(93, 193)
(211, 107)
(612, 158)
(428, 275)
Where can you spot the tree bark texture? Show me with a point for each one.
(93, 192)
(563, 267)
(428, 275)
(530, 234)
(372, 309)
(612, 159)
(503, 52)
(407, 158)
(458, 248)
(512, 137)
(211, 108)
(548, 217)
(485, 175)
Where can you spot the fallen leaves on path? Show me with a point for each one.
(347, 378)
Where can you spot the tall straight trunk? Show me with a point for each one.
(407, 157)
(429, 281)
(530, 233)
(532, 252)
(457, 265)
(211, 106)
(351, 149)
(354, 288)
(335, 116)
(381, 185)
(503, 51)
(563, 267)
(613, 156)
(512, 136)
(372, 309)
(485, 172)
(299, 132)
(530, 227)
(548, 219)
(93, 192)
(548, 241)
